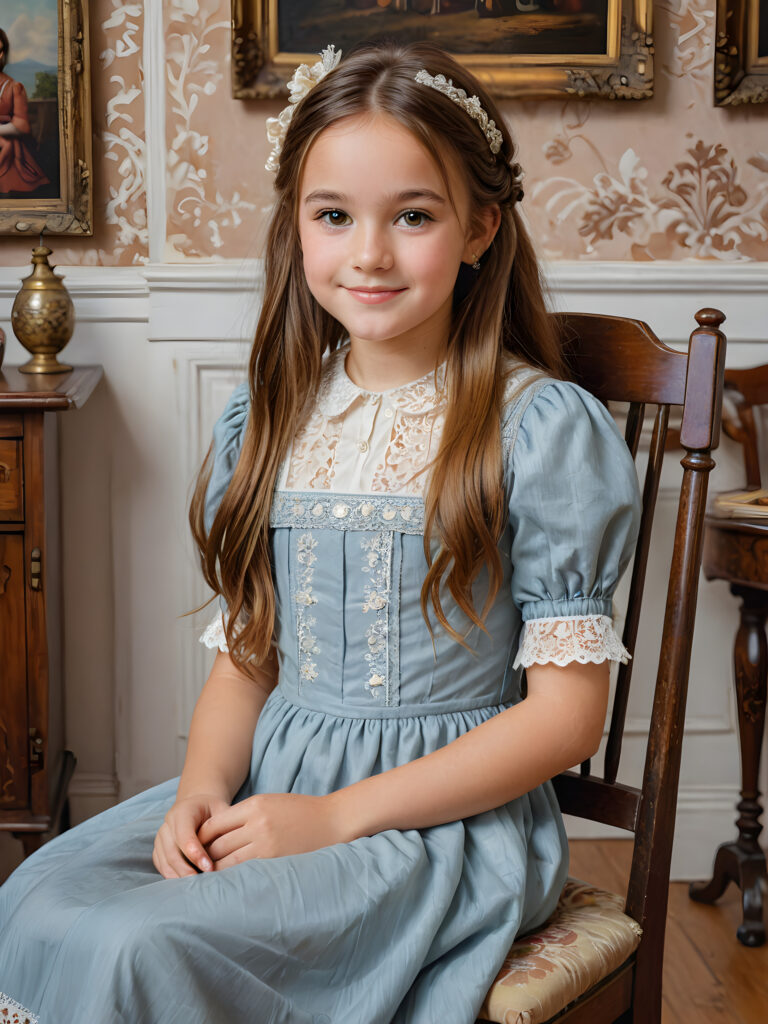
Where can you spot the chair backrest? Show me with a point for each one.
(746, 388)
(621, 360)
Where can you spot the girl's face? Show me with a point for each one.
(381, 240)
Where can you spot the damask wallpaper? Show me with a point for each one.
(670, 178)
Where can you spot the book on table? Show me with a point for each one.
(749, 504)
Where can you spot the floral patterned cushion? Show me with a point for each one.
(586, 938)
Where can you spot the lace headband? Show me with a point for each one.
(305, 79)
(470, 104)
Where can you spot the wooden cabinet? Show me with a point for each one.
(35, 767)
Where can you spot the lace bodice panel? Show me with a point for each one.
(360, 442)
(357, 442)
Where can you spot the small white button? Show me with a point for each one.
(340, 511)
(388, 413)
(363, 446)
(389, 513)
(317, 510)
(366, 508)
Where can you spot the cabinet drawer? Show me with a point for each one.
(11, 494)
(14, 732)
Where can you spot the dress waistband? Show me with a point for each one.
(399, 711)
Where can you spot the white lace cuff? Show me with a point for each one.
(214, 635)
(10, 1010)
(583, 638)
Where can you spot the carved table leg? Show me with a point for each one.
(743, 861)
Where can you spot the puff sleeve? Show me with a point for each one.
(574, 513)
(227, 442)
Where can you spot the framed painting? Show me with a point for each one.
(741, 52)
(45, 118)
(600, 48)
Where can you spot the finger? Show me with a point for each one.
(186, 839)
(161, 863)
(219, 824)
(180, 867)
(227, 844)
(238, 857)
(191, 847)
(159, 858)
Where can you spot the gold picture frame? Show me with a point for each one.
(620, 67)
(741, 52)
(59, 131)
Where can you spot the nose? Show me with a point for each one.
(372, 249)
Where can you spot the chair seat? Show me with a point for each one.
(586, 938)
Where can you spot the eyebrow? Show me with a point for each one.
(409, 196)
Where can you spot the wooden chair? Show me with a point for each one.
(746, 389)
(621, 360)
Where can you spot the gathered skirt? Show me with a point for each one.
(407, 926)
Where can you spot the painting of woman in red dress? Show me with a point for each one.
(20, 174)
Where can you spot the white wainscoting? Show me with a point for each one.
(173, 342)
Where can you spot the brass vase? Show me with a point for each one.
(43, 316)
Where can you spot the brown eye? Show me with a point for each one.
(336, 218)
(414, 218)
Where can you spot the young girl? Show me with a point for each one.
(403, 507)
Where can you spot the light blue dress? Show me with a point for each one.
(399, 927)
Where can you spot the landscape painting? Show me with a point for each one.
(461, 26)
(518, 47)
(45, 123)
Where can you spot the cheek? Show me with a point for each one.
(315, 259)
(438, 262)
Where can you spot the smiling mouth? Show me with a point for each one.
(371, 296)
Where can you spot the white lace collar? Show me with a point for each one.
(337, 392)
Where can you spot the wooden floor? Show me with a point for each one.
(709, 977)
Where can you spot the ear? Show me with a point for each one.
(483, 231)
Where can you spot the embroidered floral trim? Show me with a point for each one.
(583, 638)
(377, 551)
(15, 1013)
(306, 509)
(214, 635)
(305, 598)
(337, 391)
(402, 427)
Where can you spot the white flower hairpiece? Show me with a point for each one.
(304, 79)
(471, 104)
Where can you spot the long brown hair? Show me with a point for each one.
(501, 314)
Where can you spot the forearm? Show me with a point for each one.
(221, 732)
(554, 728)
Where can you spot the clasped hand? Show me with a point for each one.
(204, 832)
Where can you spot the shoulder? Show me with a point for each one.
(545, 418)
(228, 434)
(18, 90)
(230, 426)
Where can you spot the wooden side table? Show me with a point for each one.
(35, 769)
(736, 550)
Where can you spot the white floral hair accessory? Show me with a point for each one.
(304, 79)
(471, 104)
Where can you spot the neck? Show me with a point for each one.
(383, 365)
